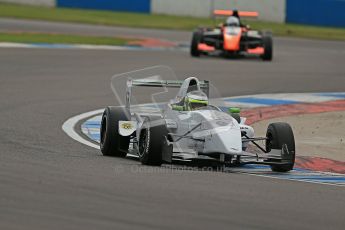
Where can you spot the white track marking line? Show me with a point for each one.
(298, 97)
(64, 46)
(69, 127)
(81, 46)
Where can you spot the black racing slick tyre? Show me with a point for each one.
(277, 135)
(196, 39)
(111, 142)
(268, 47)
(151, 142)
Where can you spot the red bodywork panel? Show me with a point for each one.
(232, 35)
(204, 47)
(257, 50)
(232, 40)
(240, 13)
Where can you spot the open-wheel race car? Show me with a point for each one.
(188, 128)
(232, 38)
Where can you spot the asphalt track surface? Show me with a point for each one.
(49, 181)
(7, 24)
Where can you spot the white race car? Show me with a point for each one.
(188, 128)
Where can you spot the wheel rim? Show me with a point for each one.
(143, 141)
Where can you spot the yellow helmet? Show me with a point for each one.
(195, 100)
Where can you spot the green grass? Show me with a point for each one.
(157, 21)
(60, 39)
(101, 17)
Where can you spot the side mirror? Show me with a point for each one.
(177, 107)
(234, 110)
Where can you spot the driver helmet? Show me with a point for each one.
(232, 21)
(195, 100)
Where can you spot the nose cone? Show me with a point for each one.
(229, 140)
(224, 139)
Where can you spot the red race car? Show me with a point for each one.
(232, 38)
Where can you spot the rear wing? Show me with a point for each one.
(204, 86)
(240, 13)
(162, 83)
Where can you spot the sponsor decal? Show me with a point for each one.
(126, 126)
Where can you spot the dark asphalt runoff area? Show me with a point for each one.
(49, 181)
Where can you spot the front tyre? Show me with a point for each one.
(111, 142)
(151, 142)
(196, 39)
(278, 134)
(268, 47)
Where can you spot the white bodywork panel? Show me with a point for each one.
(126, 128)
(213, 132)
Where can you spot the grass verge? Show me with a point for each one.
(157, 21)
(61, 39)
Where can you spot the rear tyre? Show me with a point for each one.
(278, 134)
(151, 142)
(111, 142)
(268, 47)
(196, 39)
